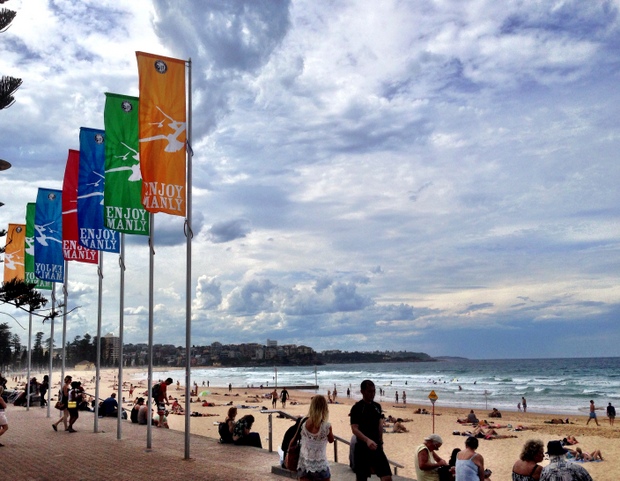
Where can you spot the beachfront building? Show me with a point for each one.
(110, 349)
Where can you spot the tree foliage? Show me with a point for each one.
(24, 296)
(8, 85)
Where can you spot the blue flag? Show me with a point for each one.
(92, 233)
(48, 259)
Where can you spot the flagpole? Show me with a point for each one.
(64, 320)
(51, 348)
(188, 279)
(149, 433)
(98, 363)
(121, 262)
(29, 360)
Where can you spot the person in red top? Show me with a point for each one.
(162, 395)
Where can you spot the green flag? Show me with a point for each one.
(30, 277)
(122, 198)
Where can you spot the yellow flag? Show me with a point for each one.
(163, 133)
(14, 253)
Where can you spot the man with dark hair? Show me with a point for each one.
(611, 414)
(367, 426)
(162, 394)
(136, 409)
(109, 406)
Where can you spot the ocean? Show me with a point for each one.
(562, 386)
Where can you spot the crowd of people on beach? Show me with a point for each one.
(310, 434)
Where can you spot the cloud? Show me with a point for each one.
(228, 231)
(401, 175)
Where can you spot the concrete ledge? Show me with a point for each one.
(280, 471)
(339, 471)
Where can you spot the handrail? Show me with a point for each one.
(271, 412)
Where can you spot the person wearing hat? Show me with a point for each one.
(427, 461)
(559, 468)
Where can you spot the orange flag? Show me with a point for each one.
(14, 253)
(162, 133)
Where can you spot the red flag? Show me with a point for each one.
(71, 248)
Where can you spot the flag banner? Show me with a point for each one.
(49, 264)
(122, 199)
(14, 262)
(162, 133)
(91, 177)
(72, 250)
(30, 277)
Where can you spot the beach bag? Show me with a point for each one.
(72, 405)
(292, 453)
(155, 391)
(59, 405)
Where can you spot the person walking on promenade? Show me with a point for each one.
(64, 399)
(316, 432)
(284, 397)
(611, 414)
(559, 468)
(367, 426)
(76, 396)
(592, 413)
(4, 423)
(43, 388)
(427, 461)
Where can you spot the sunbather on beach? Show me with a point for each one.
(399, 427)
(471, 418)
(479, 432)
(583, 456)
(569, 440)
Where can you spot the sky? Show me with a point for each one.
(435, 176)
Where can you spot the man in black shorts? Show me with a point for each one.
(367, 426)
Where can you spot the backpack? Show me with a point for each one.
(155, 391)
(224, 432)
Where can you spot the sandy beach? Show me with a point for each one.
(499, 454)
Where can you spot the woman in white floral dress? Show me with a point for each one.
(316, 432)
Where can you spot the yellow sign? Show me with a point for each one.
(432, 396)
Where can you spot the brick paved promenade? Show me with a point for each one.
(33, 451)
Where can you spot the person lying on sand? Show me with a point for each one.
(583, 456)
(479, 432)
(569, 440)
(558, 421)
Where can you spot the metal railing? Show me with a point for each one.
(337, 439)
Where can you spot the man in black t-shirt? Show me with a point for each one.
(367, 426)
(611, 414)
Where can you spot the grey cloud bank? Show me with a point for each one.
(430, 176)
